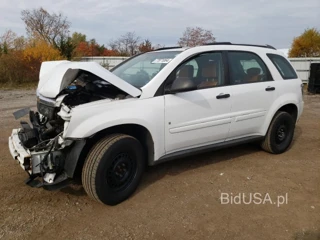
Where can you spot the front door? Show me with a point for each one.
(199, 117)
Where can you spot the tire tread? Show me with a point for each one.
(93, 160)
(266, 143)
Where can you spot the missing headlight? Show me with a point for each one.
(46, 109)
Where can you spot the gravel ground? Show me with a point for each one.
(178, 199)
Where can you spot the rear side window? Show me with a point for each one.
(247, 67)
(283, 66)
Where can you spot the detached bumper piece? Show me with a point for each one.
(18, 152)
(59, 182)
(45, 167)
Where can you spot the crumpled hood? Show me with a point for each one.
(56, 75)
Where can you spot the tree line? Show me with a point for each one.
(48, 37)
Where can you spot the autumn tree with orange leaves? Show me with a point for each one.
(91, 48)
(146, 46)
(48, 38)
(306, 45)
(40, 50)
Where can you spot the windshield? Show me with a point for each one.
(139, 70)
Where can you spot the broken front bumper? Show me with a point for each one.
(31, 163)
(18, 152)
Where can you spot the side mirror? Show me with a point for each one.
(182, 84)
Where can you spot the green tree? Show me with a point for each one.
(66, 47)
(77, 38)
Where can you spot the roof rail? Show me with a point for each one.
(249, 45)
(218, 43)
(164, 48)
(269, 46)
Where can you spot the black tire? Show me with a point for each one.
(113, 169)
(280, 133)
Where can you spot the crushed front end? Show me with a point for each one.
(41, 145)
(40, 148)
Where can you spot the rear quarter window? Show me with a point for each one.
(284, 67)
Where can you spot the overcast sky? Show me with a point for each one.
(274, 22)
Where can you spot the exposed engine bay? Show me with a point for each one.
(48, 123)
(43, 136)
(88, 88)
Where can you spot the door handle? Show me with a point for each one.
(223, 95)
(270, 88)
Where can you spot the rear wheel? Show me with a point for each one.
(113, 169)
(280, 133)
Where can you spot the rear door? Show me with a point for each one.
(253, 91)
(202, 116)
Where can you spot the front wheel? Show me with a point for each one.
(280, 133)
(113, 169)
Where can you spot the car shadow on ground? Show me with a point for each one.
(307, 235)
(297, 134)
(75, 189)
(178, 166)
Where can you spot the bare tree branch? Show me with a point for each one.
(196, 36)
(8, 39)
(49, 27)
(127, 44)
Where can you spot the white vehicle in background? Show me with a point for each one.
(154, 107)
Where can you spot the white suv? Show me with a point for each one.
(154, 107)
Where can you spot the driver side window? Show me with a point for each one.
(203, 71)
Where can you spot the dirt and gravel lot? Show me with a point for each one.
(178, 199)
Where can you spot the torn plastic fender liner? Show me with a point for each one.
(21, 113)
(73, 156)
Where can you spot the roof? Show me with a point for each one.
(217, 44)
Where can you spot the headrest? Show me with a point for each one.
(209, 70)
(186, 71)
(253, 71)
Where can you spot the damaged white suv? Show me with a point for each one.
(154, 107)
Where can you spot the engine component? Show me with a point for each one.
(49, 162)
(27, 135)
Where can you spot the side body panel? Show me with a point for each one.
(196, 118)
(250, 105)
(91, 118)
(254, 108)
(289, 92)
